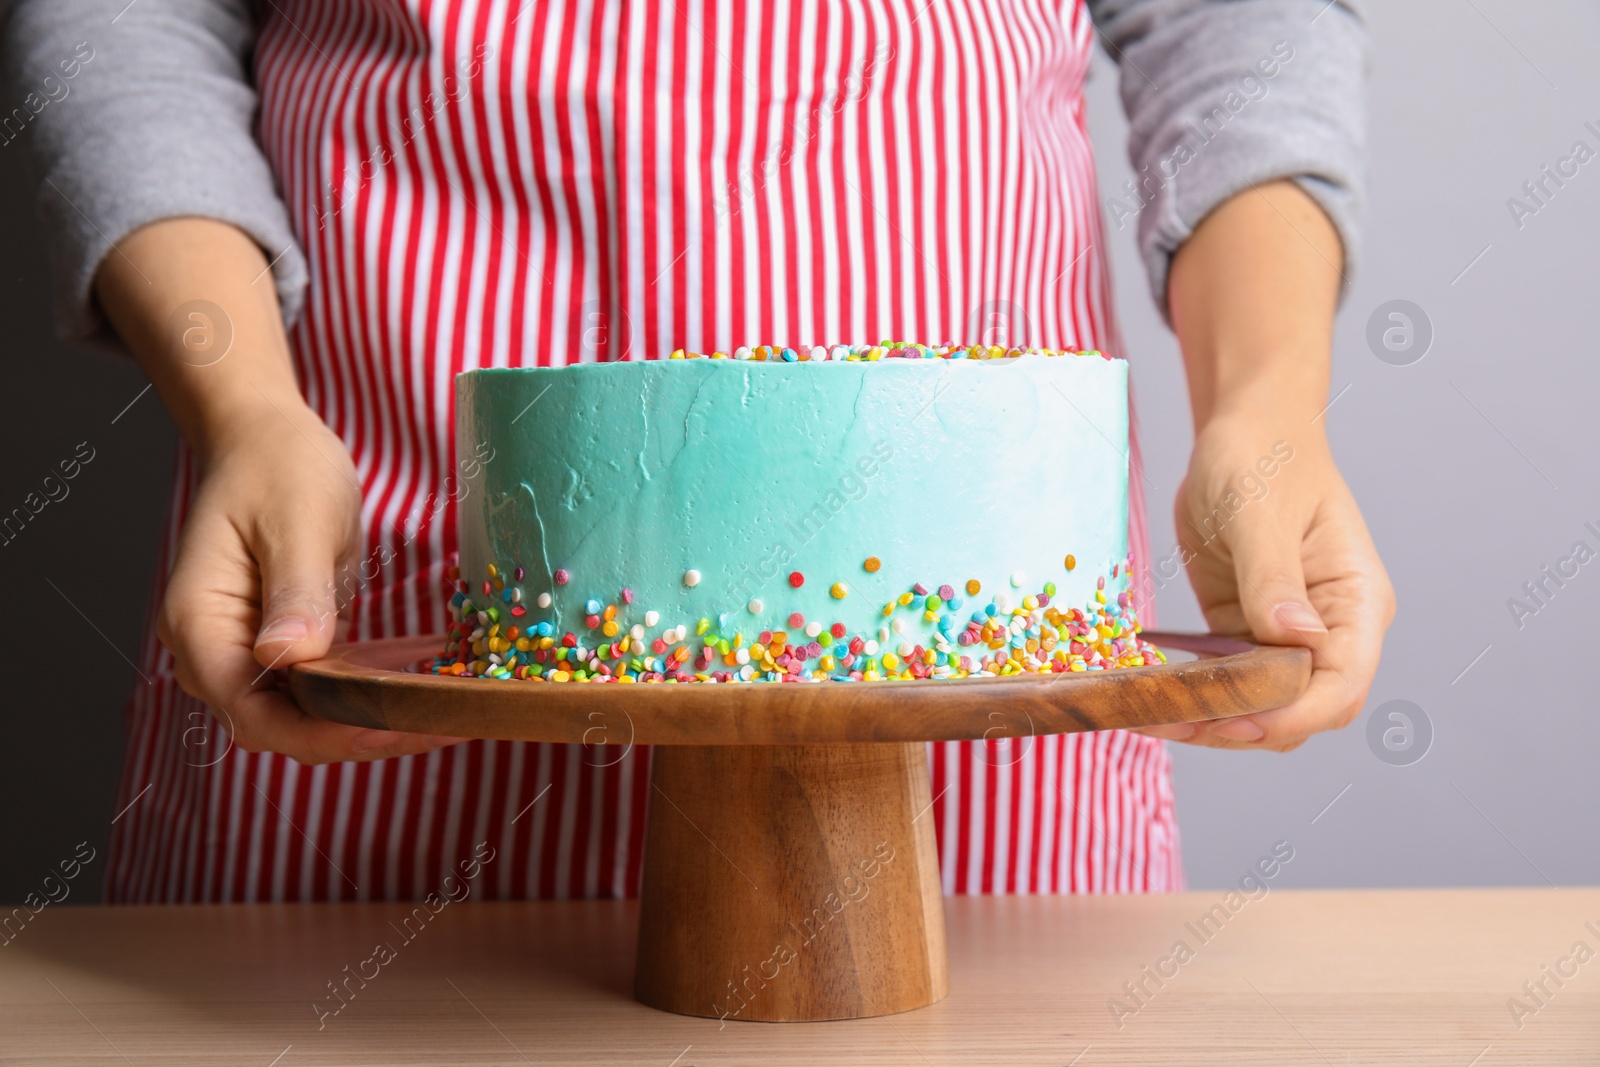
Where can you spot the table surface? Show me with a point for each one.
(1334, 978)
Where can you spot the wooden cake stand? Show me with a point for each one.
(790, 871)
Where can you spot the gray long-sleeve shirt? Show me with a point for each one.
(1220, 95)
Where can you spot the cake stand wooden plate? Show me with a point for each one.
(790, 871)
(373, 684)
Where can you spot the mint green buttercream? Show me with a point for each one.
(632, 474)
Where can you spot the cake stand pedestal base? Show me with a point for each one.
(791, 882)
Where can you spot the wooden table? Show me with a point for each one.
(1295, 977)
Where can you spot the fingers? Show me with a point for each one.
(1350, 596)
(1178, 731)
(1212, 733)
(1344, 662)
(259, 717)
(1272, 583)
(298, 610)
(270, 722)
(1351, 593)
(210, 624)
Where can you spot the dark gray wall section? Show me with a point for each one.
(92, 551)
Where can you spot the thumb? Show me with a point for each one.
(298, 609)
(1272, 585)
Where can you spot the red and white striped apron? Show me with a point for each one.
(527, 183)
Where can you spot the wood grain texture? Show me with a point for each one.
(366, 684)
(1298, 979)
(791, 883)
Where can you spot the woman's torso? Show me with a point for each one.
(508, 184)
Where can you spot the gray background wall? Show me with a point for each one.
(1475, 466)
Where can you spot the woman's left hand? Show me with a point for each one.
(1276, 548)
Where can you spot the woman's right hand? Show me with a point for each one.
(278, 510)
(276, 517)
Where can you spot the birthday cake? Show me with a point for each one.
(857, 513)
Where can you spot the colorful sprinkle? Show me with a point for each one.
(872, 564)
(691, 578)
(934, 638)
(796, 579)
(886, 350)
(974, 587)
(562, 577)
(838, 590)
(1071, 562)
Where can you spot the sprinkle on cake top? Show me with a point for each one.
(881, 350)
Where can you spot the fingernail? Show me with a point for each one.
(1293, 615)
(367, 740)
(1239, 730)
(288, 628)
(1181, 731)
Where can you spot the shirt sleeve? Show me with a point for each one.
(135, 113)
(1222, 95)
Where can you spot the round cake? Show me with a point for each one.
(848, 514)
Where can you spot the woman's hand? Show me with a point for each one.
(1276, 549)
(1274, 544)
(278, 508)
(276, 518)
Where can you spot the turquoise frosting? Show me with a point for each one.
(630, 475)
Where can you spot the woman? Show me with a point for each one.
(437, 185)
